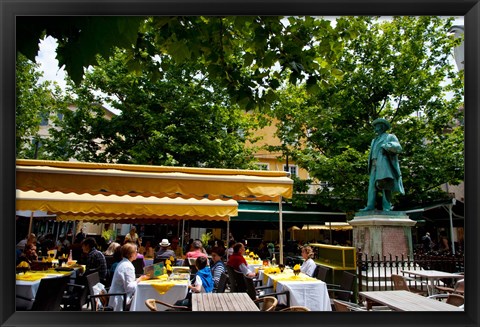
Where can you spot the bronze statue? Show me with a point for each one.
(385, 175)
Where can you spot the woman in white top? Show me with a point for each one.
(308, 266)
(124, 277)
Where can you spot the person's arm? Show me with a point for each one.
(197, 287)
(392, 145)
(246, 270)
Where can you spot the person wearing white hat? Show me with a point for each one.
(164, 252)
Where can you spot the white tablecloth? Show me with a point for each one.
(29, 289)
(310, 294)
(146, 291)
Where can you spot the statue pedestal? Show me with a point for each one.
(383, 232)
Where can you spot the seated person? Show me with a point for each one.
(238, 262)
(29, 254)
(95, 260)
(164, 252)
(197, 250)
(217, 267)
(203, 282)
(124, 279)
(308, 266)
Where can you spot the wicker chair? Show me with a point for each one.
(266, 303)
(451, 298)
(152, 305)
(458, 288)
(344, 306)
(295, 308)
(400, 284)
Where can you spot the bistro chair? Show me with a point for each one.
(343, 291)
(322, 272)
(451, 298)
(99, 302)
(237, 283)
(222, 283)
(458, 288)
(344, 306)
(256, 292)
(138, 264)
(400, 284)
(266, 303)
(295, 308)
(152, 305)
(74, 297)
(49, 294)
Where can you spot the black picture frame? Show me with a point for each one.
(470, 9)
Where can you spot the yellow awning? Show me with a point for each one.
(101, 178)
(88, 207)
(327, 226)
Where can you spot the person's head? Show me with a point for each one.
(88, 244)
(217, 253)
(30, 250)
(133, 230)
(307, 252)
(117, 254)
(201, 262)
(129, 251)
(197, 245)
(238, 248)
(164, 243)
(380, 125)
(111, 248)
(231, 243)
(31, 238)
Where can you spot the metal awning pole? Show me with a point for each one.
(30, 224)
(183, 232)
(451, 227)
(228, 234)
(280, 228)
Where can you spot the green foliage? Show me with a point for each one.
(393, 69)
(34, 101)
(242, 54)
(179, 119)
(205, 238)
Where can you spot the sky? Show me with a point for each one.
(52, 72)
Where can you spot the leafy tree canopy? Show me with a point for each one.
(400, 70)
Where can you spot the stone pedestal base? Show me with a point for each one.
(383, 232)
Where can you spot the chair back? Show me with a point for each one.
(138, 264)
(222, 283)
(296, 308)
(322, 272)
(399, 283)
(459, 286)
(231, 278)
(240, 281)
(50, 294)
(341, 306)
(347, 283)
(267, 303)
(92, 280)
(455, 299)
(250, 287)
(151, 304)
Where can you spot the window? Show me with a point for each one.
(262, 166)
(44, 117)
(291, 168)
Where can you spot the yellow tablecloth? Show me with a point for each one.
(37, 275)
(162, 285)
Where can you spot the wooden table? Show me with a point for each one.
(407, 301)
(431, 276)
(223, 302)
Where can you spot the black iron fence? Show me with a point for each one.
(374, 271)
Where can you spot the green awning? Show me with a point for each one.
(268, 212)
